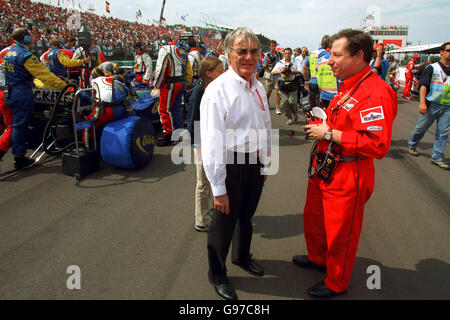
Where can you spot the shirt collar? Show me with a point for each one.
(350, 82)
(17, 43)
(242, 82)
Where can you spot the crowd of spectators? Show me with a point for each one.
(113, 36)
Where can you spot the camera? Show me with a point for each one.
(288, 69)
(272, 57)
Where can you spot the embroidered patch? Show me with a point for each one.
(372, 114)
(374, 128)
(350, 104)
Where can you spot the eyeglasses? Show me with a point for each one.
(447, 50)
(244, 52)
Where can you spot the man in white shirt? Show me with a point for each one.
(235, 128)
(143, 65)
(287, 85)
(301, 58)
(300, 61)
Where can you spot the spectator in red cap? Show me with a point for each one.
(379, 64)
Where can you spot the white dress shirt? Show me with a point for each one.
(231, 106)
(300, 61)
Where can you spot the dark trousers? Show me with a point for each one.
(301, 91)
(244, 185)
(314, 95)
(22, 104)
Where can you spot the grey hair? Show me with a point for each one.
(239, 32)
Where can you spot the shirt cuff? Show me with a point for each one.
(218, 190)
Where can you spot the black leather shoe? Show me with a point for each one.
(320, 290)
(303, 262)
(251, 266)
(22, 162)
(225, 291)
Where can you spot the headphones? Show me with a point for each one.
(27, 39)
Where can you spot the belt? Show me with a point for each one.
(320, 156)
(174, 79)
(140, 72)
(350, 159)
(112, 104)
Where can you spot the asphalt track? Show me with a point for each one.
(132, 233)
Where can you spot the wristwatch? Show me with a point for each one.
(328, 134)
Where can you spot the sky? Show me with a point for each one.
(292, 23)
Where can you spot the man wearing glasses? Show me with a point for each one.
(234, 110)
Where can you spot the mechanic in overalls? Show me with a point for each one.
(358, 128)
(20, 66)
(173, 73)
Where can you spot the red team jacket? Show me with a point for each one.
(365, 117)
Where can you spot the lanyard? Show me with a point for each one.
(260, 100)
(343, 101)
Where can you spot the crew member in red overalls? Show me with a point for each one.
(409, 77)
(358, 128)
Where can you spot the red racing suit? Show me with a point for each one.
(173, 73)
(334, 210)
(409, 77)
(6, 117)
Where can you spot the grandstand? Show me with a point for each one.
(111, 35)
